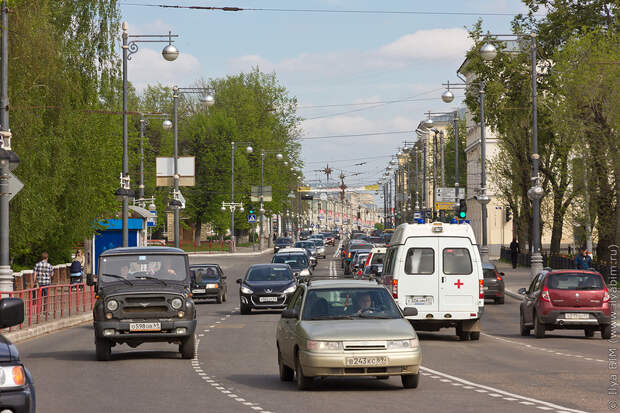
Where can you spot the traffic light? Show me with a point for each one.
(462, 212)
(250, 209)
(508, 214)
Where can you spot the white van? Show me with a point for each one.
(436, 268)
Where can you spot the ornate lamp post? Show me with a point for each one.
(262, 208)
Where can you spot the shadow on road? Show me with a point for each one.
(89, 355)
(272, 382)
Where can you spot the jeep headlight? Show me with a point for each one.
(12, 376)
(323, 346)
(176, 303)
(290, 290)
(402, 344)
(304, 272)
(112, 305)
(246, 290)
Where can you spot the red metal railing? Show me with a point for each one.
(53, 302)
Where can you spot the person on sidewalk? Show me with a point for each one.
(76, 268)
(583, 261)
(43, 271)
(514, 252)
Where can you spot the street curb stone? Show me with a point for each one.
(47, 328)
(513, 295)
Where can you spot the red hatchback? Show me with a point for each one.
(568, 299)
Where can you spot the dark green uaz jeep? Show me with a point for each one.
(143, 295)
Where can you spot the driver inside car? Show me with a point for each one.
(363, 303)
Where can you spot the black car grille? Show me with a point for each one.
(146, 306)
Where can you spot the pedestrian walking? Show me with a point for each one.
(514, 252)
(583, 261)
(43, 271)
(77, 266)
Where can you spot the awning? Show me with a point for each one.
(144, 213)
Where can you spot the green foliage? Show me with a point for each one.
(379, 226)
(450, 155)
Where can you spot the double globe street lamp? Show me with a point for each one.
(232, 205)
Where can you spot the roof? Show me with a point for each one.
(405, 231)
(143, 250)
(144, 213)
(342, 283)
(268, 265)
(291, 250)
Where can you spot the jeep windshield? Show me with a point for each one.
(162, 267)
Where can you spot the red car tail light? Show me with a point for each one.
(395, 288)
(481, 290)
(545, 295)
(499, 277)
(606, 296)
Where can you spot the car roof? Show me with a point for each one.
(291, 251)
(569, 271)
(267, 265)
(143, 250)
(379, 250)
(342, 283)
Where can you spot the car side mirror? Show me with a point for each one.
(90, 280)
(502, 274)
(223, 277)
(11, 312)
(410, 311)
(238, 280)
(522, 291)
(289, 313)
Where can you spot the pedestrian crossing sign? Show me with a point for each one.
(252, 218)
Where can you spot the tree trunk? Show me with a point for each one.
(197, 231)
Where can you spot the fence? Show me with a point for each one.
(554, 261)
(53, 302)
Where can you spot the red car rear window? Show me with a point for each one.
(575, 281)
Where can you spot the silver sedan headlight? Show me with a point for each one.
(402, 344)
(112, 305)
(323, 346)
(176, 303)
(304, 272)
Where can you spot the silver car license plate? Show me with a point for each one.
(577, 316)
(366, 361)
(144, 326)
(268, 299)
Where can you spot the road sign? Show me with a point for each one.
(255, 195)
(186, 167)
(445, 206)
(448, 194)
(252, 218)
(152, 222)
(323, 196)
(15, 185)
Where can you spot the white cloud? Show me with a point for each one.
(434, 44)
(148, 66)
(157, 26)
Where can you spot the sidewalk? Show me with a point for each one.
(514, 278)
(241, 251)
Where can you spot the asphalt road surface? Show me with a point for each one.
(236, 369)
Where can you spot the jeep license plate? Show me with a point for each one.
(144, 326)
(268, 299)
(367, 361)
(577, 316)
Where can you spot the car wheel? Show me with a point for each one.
(474, 335)
(539, 327)
(187, 348)
(245, 309)
(499, 300)
(286, 373)
(606, 332)
(525, 331)
(589, 332)
(303, 382)
(218, 299)
(225, 296)
(103, 348)
(410, 381)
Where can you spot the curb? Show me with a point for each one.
(512, 294)
(226, 254)
(47, 328)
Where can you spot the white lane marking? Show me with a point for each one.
(524, 400)
(337, 249)
(529, 346)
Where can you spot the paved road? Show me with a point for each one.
(236, 369)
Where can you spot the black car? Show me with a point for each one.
(493, 283)
(298, 261)
(304, 235)
(16, 385)
(266, 286)
(281, 243)
(143, 295)
(208, 281)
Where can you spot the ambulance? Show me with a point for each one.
(436, 268)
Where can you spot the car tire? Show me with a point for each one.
(525, 331)
(218, 299)
(187, 348)
(103, 349)
(245, 309)
(606, 332)
(539, 327)
(410, 381)
(303, 382)
(225, 296)
(474, 335)
(499, 300)
(589, 332)
(286, 373)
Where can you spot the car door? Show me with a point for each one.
(458, 278)
(529, 301)
(417, 275)
(289, 325)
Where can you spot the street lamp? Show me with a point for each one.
(248, 150)
(176, 195)
(170, 53)
(144, 120)
(279, 157)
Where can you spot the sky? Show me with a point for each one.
(326, 60)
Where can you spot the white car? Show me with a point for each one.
(436, 268)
